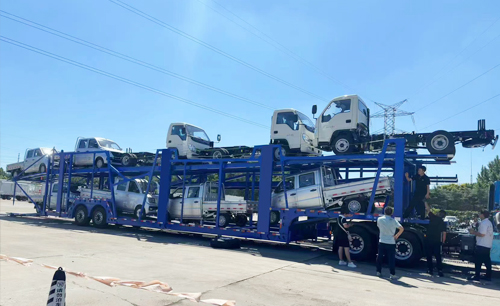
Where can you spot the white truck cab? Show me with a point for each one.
(96, 144)
(294, 131)
(339, 119)
(187, 139)
(35, 161)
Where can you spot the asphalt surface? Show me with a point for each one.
(256, 274)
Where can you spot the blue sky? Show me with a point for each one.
(385, 51)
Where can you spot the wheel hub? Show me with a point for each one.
(440, 142)
(354, 206)
(217, 155)
(404, 249)
(342, 145)
(99, 217)
(357, 244)
(80, 215)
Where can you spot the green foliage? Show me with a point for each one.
(4, 175)
(489, 174)
(461, 197)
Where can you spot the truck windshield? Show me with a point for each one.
(306, 121)
(341, 106)
(109, 144)
(197, 133)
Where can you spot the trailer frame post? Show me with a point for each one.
(184, 190)
(47, 183)
(148, 187)
(68, 192)
(265, 187)
(219, 191)
(165, 182)
(399, 177)
(60, 182)
(111, 183)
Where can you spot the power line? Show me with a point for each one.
(461, 86)
(209, 46)
(126, 57)
(457, 55)
(475, 105)
(273, 42)
(124, 80)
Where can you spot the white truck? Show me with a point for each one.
(116, 154)
(7, 190)
(321, 188)
(35, 161)
(200, 203)
(289, 127)
(129, 196)
(344, 128)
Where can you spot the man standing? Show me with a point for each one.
(387, 226)
(422, 192)
(341, 238)
(484, 242)
(435, 237)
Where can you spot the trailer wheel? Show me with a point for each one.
(225, 243)
(42, 168)
(274, 218)
(99, 162)
(241, 220)
(99, 217)
(81, 216)
(441, 142)
(361, 245)
(224, 219)
(129, 160)
(408, 250)
(342, 144)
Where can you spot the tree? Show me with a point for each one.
(489, 174)
(4, 175)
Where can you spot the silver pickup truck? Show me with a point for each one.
(320, 188)
(200, 203)
(35, 161)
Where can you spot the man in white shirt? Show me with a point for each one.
(387, 226)
(484, 242)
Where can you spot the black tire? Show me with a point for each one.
(42, 169)
(361, 245)
(137, 211)
(99, 162)
(276, 153)
(408, 250)
(218, 154)
(175, 153)
(274, 217)
(129, 160)
(224, 220)
(343, 144)
(99, 217)
(241, 220)
(81, 216)
(440, 142)
(354, 205)
(225, 243)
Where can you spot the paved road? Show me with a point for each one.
(257, 274)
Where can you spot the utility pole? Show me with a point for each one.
(18, 154)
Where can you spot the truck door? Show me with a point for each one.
(81, 159)
(308, 191)
(29, 160)
(336, 117)
(134, 197)
(278, 200)
(93, 146)
(177, 139)
(192, 203)
(121, 195)
(286, 127)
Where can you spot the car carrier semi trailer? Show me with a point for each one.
(344, 128)
(255, 176)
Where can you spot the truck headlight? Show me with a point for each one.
(191, 148)
(306, 139)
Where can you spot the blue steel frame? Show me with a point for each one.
(264, 168)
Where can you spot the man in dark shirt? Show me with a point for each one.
(435, 237)
(422, 192)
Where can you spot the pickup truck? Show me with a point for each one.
(321, 188)
(129, 196)
(200, 203)
(116, 154)
(38, 191)
(35, 161)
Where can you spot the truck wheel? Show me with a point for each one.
(99, 217)
(129, 160)
(361, 245)
(99, 162)
(225, 243)
(274, 218)
(440, 142)
(224, 220)
(218, 154)
(137, 211)
(81, 216)
(408, 250)
(241, 220)
(353, 206)
(43, 168)
(342, 144)
(277, 155)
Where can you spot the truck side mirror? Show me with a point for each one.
(218, 137)
(314, 109)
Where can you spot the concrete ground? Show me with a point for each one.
(256, 274)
